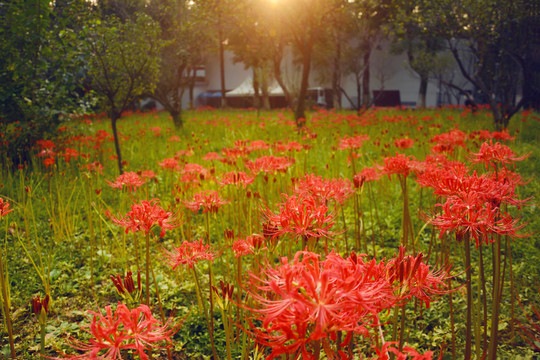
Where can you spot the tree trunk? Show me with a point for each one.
(336, 76)
(366, 101)
(114, 117)
(222, 64)
(300, 112)
(423, 91)
(277, 74)
(177, 119)
(256, 88)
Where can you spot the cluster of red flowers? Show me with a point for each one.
(307, 300)
(207, 201)
(122, 329)
(143, 216)
(129, 179)
(472, 202)
(338, 190)
(352, 142)
(302, 216)
(189, 253)
(269, 164)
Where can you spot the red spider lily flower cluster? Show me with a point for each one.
(269, 164)
(4, 208)
(404, 143)
(123, 329)
(367, 174)
(129, 179)
(207, 201)
(69, 154)
(447, 142)
(257, 145)
(249, 245)
(413, 278)
(95, 167)
(472, 203)
(352, 142)
(236, 178)
(307, 300)
(290, 146)
(338, 190)
(170, 164)
(399, 164)
(189, 253)
(496, 154)
(144, 215)
(408, 353)
(211, 156)
(302, 216)
(195, 169)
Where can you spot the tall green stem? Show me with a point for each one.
(468, 272)
(495, 304)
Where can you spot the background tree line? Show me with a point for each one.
(74, 56)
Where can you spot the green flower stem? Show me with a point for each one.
(6, 305)
(468, 272)
(147, 279)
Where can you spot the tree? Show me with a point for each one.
(41, 69)
(418, 42)
(124, 64)
(186, 42)
(489, 46)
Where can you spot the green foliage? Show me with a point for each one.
(40, 72)
(123, 60)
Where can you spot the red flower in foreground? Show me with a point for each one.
(4, 208)
(123, 329)
(188, 254)
(143, 216)
(307, 300)
(249, 245)
(208, 201)
(129, 179)
(367, 174)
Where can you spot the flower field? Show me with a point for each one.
(394, 234)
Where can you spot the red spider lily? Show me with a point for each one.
(480, 220)
(236, 178)
(208, 201)
(249, 245)
(413, 278)
(122, 329)
(148, 174)
(69, 154)
(189, 254)
(269, 164)
(143, 216)
(4, 208)
(129, 179)
(191, 169)
(399, 164)
(490, 154)
(301, 216)
(408, 353)
(338, 190)
(211, 156)
(367, 174)
(354, 142)
(184, 153)
(258, 145)
(291, 146)
(49, 162)
(169, 164)
(45, 144)
(95, 167)
(450, 140)
(306, 300)
(404, 143)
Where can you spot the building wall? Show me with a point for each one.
(388, 72)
